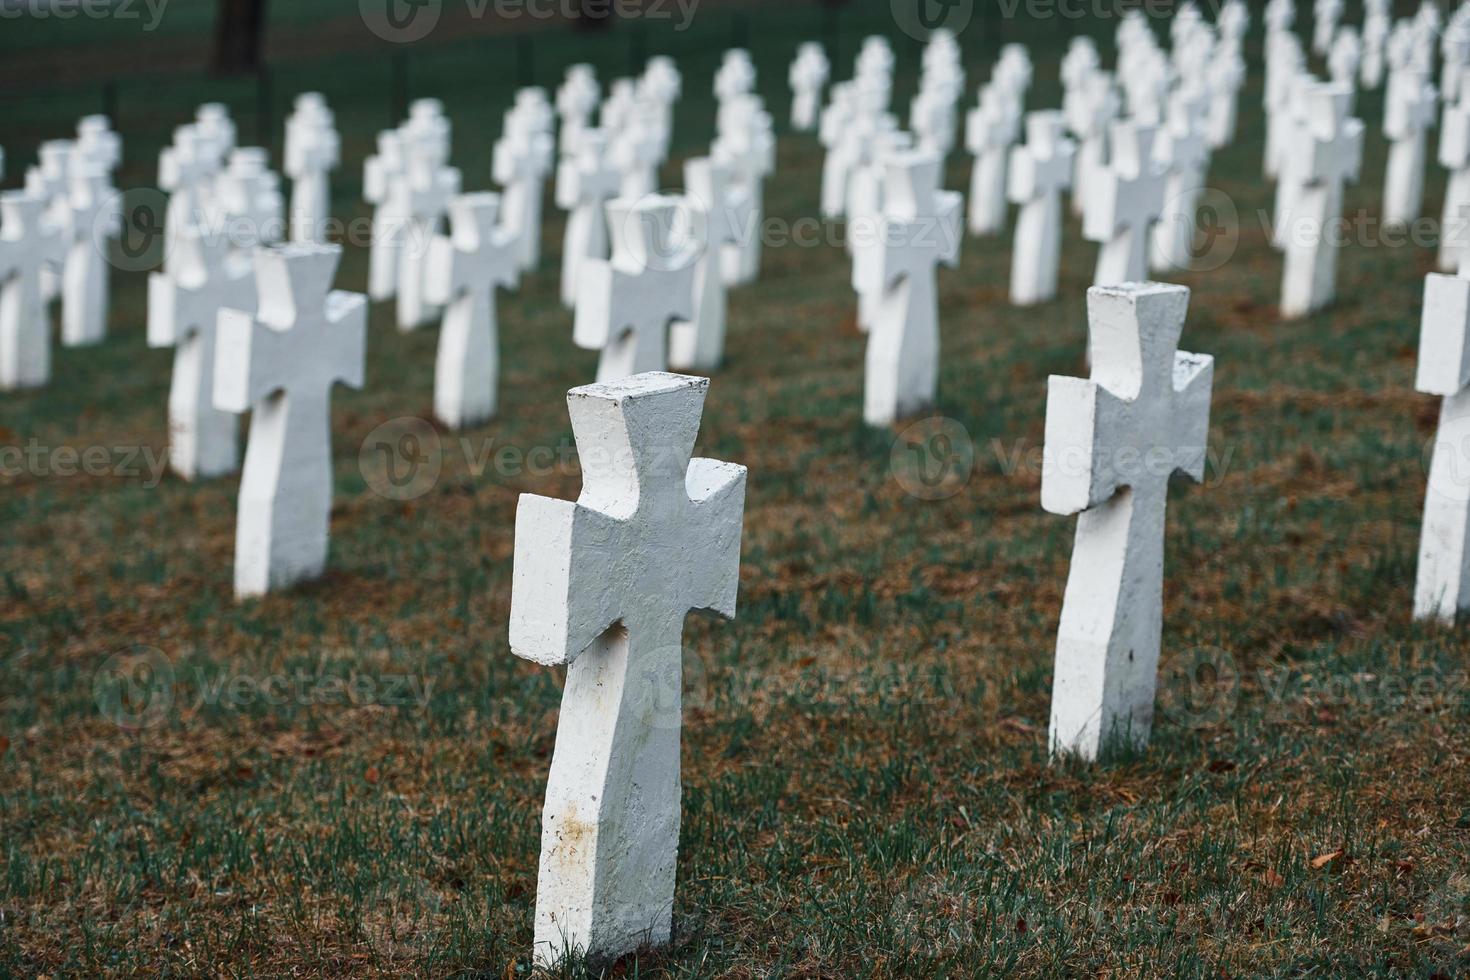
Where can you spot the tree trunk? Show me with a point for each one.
(239, 27)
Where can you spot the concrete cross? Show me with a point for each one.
(1410, 110)
(1185, 152)
(808, 74)
(28, 246)
(990, 129)
(463, 271)
(184, 304)
(748, 150)
(625, 304)
(1090, 109)
(718, 210)
(383, 174)
(1129, 197)
(523, 158)
(1039, 172)
(93, 219)
(313, 150)
(185, 170)
(1454, 156)
(1442, 587)
(426, 188)
(249, 195)
(585, 182)
(603, 586)
(576, 101)
(1325, 153)
(919, 229)
(282, 363)
(1112, 443)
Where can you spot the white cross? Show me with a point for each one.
(1442, 587)
(282, 363)
(249, 195)
(1039, 172)
(184, 170)
(919, 229)
(1226, 73)
(382, 175)
(183, 312)
(1325, 15)
(1324, 153)
(1409, 112)
(748, 149)
(426, 190)
(990, 129)
(1111, 445)
(1090, 109)
(93, 219)
(603, 586)
(213, 121)
(313, 150)
(833, 133)
(1454, 155)
(28, 245)
(808, 74)
(1185, 151)
(96, 141)
(523, 158)
(1129, 197)
(625, 304)
(719, 212)
(463, 271)
(576, 100)
(585, 182)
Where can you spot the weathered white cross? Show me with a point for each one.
(523, 158)
(1454, 155)
(1324, 154)
(183, 312)
(1112, 444)
(990, 129)
(93, 219)
(1039, 172)
(1443, 585)
(185, 170)
(1185, 152)
(29, 245)
(426, 188)
(463, 271)
(283, 363)
(313, 150)
(919, 229)
(1128, 197)
(576, 100)
(625, 304)
(718, 211)
(585, 182)
(382, 177)
(1410, 110)
(808, 73)
(603, 586)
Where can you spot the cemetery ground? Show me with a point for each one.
(347, 778)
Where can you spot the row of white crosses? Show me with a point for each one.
(54, 240)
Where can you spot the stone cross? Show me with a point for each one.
(213, 121)
(808, 74)
(1442, 588)
(990, 129)
(1454, 155)
(523, 158)
(1226, 74)
(28, 245)
(625, 304)
(833, 132)
(282, 363)
(576, 101)
(1112, 444)
(748, 150)
(313, 150)
(865, 208)
(249, 195)
(97, 142)
(920, 228)
(1325, 15)
(718, 209)
(183, 312)
(185, 170)
(1325, 153)
(426, 188)
(1090, 109)
(1346, 55)
(1039, 172)
(1129, 197)
(1410, 110)
(383, 174)
(463, 271)
(1376, 28)
(636, 149)
(585, 182)
(603, 586)
(93, 219)
(1185, 152)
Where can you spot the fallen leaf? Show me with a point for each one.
(1322, 860)
(371, 775)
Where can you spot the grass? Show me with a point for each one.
(347, 779)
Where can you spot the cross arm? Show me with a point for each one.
(1077, 470)
(1193, 381)
(346, 315)
(717, 492)
(563, 586)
